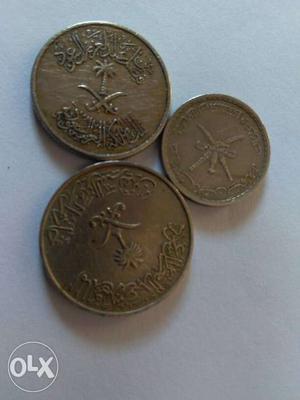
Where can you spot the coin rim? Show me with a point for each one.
(83, 172)
(262, 130)
(41, 117)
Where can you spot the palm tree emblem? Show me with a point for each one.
(104, 69)
(102, 99)
(129, 254)
(215, 151)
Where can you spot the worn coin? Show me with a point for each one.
(115, 238)
(101, 89)
(215, 149)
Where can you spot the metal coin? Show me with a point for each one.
(101, 89)
(115, 238)
(215, 149)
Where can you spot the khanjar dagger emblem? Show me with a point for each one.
(102, 99)
(129, 254)
(215, 151)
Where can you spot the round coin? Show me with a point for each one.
(101, 89)
(115, 238)
(215, 149)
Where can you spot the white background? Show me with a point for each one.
(231, 328)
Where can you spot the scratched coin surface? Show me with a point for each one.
(101, 89)
(115, 238)
(215, 149)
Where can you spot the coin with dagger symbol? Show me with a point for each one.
(215, 149)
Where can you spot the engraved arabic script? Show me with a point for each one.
(108, 134)
(103, 43)
(74, 201)
(129, 254)
(110, 296)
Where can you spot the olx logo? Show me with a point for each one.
(33, 366)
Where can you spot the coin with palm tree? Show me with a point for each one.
(101, 89)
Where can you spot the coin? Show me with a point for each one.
(115, 238)
(101, 89)
(215, 149)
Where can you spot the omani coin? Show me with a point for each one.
(215, 149)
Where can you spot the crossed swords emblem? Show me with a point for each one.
(102, 100)
(215, 151)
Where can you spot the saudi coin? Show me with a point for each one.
(101, 90)
(115, 238)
